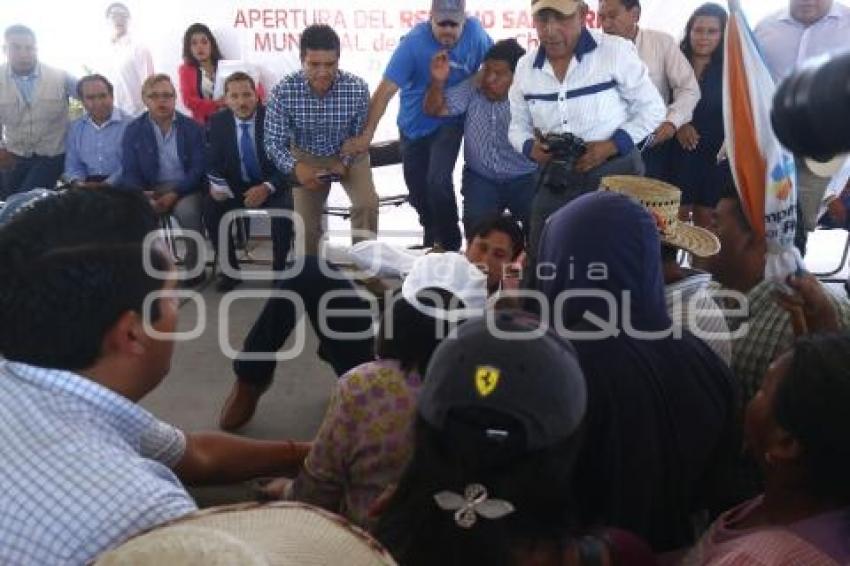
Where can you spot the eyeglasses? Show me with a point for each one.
(447, 24)
(160, 95)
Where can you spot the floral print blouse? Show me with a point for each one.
(364, 442)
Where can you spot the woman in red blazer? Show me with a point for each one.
(197, 73)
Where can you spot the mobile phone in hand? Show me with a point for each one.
(328, 177)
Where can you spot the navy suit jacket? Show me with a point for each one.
(223, 158)
(140, 157)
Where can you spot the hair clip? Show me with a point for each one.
(473, 503)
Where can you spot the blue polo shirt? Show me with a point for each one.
(410, 69)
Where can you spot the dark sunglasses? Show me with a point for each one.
(447, 24)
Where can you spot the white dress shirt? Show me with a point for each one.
(786, 43)
(605, 95)
(671, 73)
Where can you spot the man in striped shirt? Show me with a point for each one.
(495, 175)
(591, 85)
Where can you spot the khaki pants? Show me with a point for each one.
(359, 187)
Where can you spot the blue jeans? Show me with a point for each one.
(428, 164)
(32, 173)
(484, 197)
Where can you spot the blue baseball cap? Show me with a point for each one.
(451, 10)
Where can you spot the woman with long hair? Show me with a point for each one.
(695, 167)
(197, 73)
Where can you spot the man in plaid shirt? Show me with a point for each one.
(769, 331)
(311, 113)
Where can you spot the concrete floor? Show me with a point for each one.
(201, 377)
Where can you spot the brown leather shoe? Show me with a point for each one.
(239, 406)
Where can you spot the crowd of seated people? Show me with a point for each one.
(564, 392)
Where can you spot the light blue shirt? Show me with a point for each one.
(785, 42)
(27, 83)
(81, 467)
(95, 150)
(410, 69)
(170, 166)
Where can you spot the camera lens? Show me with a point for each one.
(811, 109)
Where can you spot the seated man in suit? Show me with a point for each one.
(163, 155)
(241, 175)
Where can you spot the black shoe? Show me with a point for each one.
(226, 283)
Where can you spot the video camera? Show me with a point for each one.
(565, 150)
(811, 109)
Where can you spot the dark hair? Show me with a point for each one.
(811, 404)
(116, 5)
(729, 191)
(71, 265)
(239, 76)
(409, 336)
(91, 79)
(499, 223)
(418, 532)
(319, 37)
(507, 50)
(18, 29)
(712, 10)
(629, 4)
(215, 53)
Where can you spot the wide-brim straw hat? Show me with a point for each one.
(273, 534)
(663, 201)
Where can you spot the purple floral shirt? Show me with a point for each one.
(364, 442)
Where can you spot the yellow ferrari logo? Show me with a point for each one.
(486, 379)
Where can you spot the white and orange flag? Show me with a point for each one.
(763, 170)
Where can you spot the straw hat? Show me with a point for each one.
(275, 534)
(663, 201)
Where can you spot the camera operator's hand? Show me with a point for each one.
(540, 152)
(663, 133)
(688, 137)
(597, 153)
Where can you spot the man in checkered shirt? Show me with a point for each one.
(82, 466)
(495, 175)
(311, 114)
